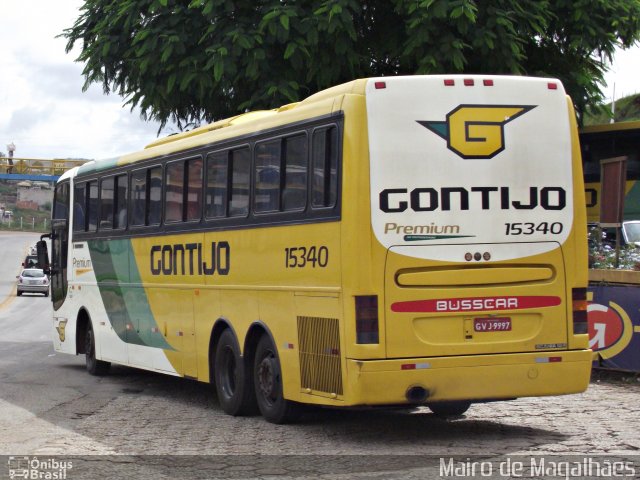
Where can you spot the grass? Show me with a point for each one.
(627, 110)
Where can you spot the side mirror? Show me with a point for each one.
(43, 255)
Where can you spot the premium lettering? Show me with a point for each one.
(191, 259)
(431, 229)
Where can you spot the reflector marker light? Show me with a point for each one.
(367, 328)
(449, 82)
(468, 82)
(579, 301)
(552, 86)
(415, 366)
(548, 359)
(380, 85)
(487, 82)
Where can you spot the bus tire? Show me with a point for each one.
(233, 383)
(267, 376)
(449, 409)
(94, 366)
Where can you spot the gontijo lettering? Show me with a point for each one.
(191, 259)
(429, 199)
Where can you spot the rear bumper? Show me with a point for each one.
(33, 288)
(475, 377)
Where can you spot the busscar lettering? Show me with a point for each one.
(190, 259)
(473, 304)
(428, 199)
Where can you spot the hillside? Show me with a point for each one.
(627, 109)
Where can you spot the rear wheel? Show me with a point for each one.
(94, 366)
(233, 382)
(449, 409)
(268, 385)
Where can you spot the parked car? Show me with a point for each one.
(31, 262)
(33, 280)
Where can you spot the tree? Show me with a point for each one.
(198, 60)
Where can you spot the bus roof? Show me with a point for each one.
(317, 104)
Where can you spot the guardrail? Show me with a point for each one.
(37, 166)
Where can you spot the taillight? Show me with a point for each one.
(367, 319)
(580, 321)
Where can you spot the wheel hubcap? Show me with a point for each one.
(267, 378)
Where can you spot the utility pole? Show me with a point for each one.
(11, 148)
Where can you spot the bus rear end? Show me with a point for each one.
(478, 235)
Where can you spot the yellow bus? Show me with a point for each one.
(602, 142)
(414, 240)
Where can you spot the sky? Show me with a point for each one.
(45, 113)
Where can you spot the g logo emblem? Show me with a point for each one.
(61, 328)
(476, 131)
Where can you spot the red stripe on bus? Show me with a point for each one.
(476, 304)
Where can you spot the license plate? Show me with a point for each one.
(501, 324)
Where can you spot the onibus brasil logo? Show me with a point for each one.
(476, 131)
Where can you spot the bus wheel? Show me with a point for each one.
(268, 385)
(449, 409)
(94, 366)
(233, 384)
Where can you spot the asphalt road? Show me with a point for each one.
(144, 425)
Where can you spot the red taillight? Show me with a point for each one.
(449, 82)
(367, 319)
(380, 85)
(552, 86)
(487, 83)
(468, 82)
(580, 321)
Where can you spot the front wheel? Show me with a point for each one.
(267, 377)
(94, 366)
(449, 409)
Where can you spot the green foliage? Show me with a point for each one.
(199, 60)
(627, 110)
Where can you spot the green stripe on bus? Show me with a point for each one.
(113, 265)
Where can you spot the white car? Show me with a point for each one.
(33, 280)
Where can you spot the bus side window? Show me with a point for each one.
(154, 213)
(216, 187)
(79, 207)
(138, 197)
(120, 207)
(106, 203)
(325, 167)
(240, 173)
(174, 192)
(294, 195)
(267, 190)
(194, 189)
(92, 206)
